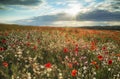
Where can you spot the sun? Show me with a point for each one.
(73, 11)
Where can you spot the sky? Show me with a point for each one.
(60, 12)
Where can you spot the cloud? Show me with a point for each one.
(99, 15)
(2, 8)
(111, 5)
(115, 4)
(55, 17)
(96, 17)
(45, 19)
(25, 4)
(20, 2)
(89, 0)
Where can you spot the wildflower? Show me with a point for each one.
(94, 73)
(118, 55)
(84, 68)
(4, 41)
(97, 66)
(94, 78)
(29, 75)
(74, 72)
(28, 44)
(70, 65)
(109, 62)
(85, 63)
(48, 65)
(93, 62)
(104, 48)
(100, 57)
(93, 45)
(76, 45)
(76, 50)
(60, 75)
(65, 50)
(1, 49)
(66, 57)
(106, 52)
(35, 47)
(5, 64)
(109, 69)
(75, 63)
(19, 52)
(48, 70)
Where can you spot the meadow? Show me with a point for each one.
(58, 53)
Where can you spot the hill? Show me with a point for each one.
(4, 27)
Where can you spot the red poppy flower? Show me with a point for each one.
(100, 57)
(106, 52)
(97, 66)
(1, 49)
(70, 65)
(5, 64)
(104, 48)
(93, 62)
(48, 65)
(35, 47)
(109, 62)
(93, 45)
(74, 72)
(65, 50)
(76, 45)
(76, 50)
(4, 41)
(28, 44)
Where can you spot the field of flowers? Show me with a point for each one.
(66, 53)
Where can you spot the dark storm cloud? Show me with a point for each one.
(115, 4)
(56, 17)
(45, 19)
(19, 2)
(99, 15)
(96, 15)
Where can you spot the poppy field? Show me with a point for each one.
(59, 53)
